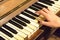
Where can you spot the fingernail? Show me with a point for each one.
(39, 22)
(37, 13)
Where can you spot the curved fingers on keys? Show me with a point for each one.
(46, 10)
(41, 12)
(50, 11)
(44, 23)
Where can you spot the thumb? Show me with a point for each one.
(44, 23)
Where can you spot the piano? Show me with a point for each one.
(18, 18)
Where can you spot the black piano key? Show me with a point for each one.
(1, 38)
(18, 21)
(28, 15)
(41, 5)
(50, 1)
(23, 19)
(15, 24)
(56, 0)
(32, 13)
(6, 32)
(10, 29)
(44, 1)
(34, 8)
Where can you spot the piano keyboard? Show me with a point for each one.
(26, 24)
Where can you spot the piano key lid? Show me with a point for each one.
(11, 8)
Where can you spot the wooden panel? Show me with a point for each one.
(2, 1)
(8, 6)
(58, 14)
(39, 31)
(15, 12)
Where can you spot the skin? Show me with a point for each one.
(52, 19)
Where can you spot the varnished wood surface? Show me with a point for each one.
(53, 37)
(39, 31)
(9, 5)
(58, 14)
(9, 17)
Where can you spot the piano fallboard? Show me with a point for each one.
(11, 8)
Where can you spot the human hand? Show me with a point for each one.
(52, 19)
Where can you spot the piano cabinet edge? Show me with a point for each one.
(32, 37)
(10, 16)
(58, 14)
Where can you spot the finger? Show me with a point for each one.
(45, 10)
(45, 23)
(37, 13)
(50, 9)
(42, 13)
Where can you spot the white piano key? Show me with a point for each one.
(34, 23)
(32, 26)
(56, 2)
(53, 8)
(10, 32)
(54, 5)
(22, 34)
(23, 30)
(57, 5)
(26, 27)
(7, 36)
(31, 10)
(56, 11)
(19, 32)
(48, 6)
(29, 25)
(30, 18)
(17, 36)
(4, 37)
(27, 18)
